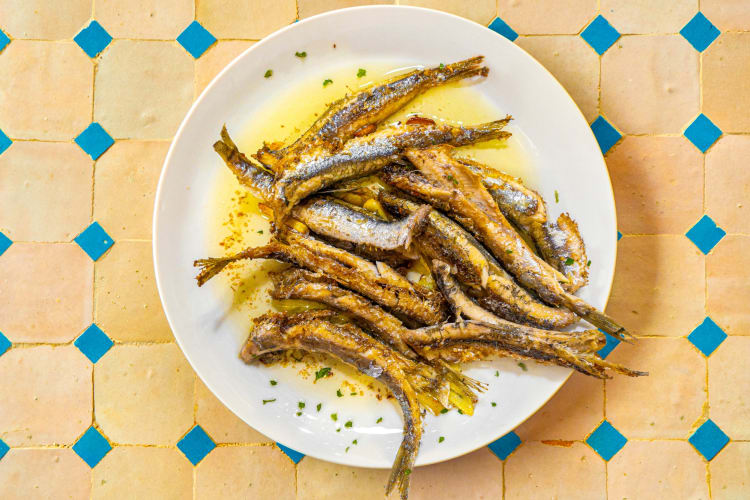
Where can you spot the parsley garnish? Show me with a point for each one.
(497, 373)
(523, 366)
(361, 72)
(269, 400)
(322, 372)
(460, 412)
(260, 231)
(557, 196)
(379, 420)
(354, 442)
(273, 382)
(346, 450)
(407, 472)
(569, 261)
(509, 251)
(588, 264)
(301, 55)
(493, 403)
(441, 66)
(320, 405)
(299, 413)
(353, 394)
(348, 424)
(334, 417)
(338, 393)
(444, 410)
(268, 73)
(300, 405)
(327, 82)
(441, 439)
(452, 179)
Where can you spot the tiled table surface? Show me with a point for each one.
(97, 400)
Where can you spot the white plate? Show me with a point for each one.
(567, 159)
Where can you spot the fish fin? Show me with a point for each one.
(401, 471)
(210, 267)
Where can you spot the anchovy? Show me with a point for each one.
(254, 177)
(445, 240)
(561, 245)
(312, 333)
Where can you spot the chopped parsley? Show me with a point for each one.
(299, 413)
(460, 412)
(320, 405)
(300, 405)
(346, 450)
(509, 251)
(444, 410)
(407, 472)
(338, 430)
(493, 403)
(338, 393)
(327, 82)
(523, 366)
(348, 424)
(441, 439)
(441, 66)
(301, 55)
(322, 372)
(497, 373)
(557, 196)
(379, 420)
(268, 73)
(269, 400)
(361, 72)
(354, 442)
(334, 417)
(588, 264)
(272, 382)
(353, 394)
(260, 231)
(452, 179)
(569, 261)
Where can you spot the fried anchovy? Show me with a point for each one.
(258, 180)
(445, 240)
(359, 113)
(559, 242)
(379, 282)
(361, 156)
(276, 332)
(452, 183)
(345, 222)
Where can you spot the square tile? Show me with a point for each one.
(261, 472)
(726, 71)
(475, 475)
(94, 240)
(44, 473)
(502, 28)
(702, 133)
(93, 343)
(196, 39)
(708, 439)
(506, 445)
(295, 456)
(727, 14)
(728, 182)
(600, 34)
(707, 336)
(93, 39)
(43, 20)
(730, 472)
(705, 234)
(648, 16)
(700, 32)
(94, 140)
(149, 19)
(606, 440)
(558, 17)
(728, 284)
(196, 445)
(606, 135)
(728, 381)
(480, 11)
(92, 447)
(245, 20)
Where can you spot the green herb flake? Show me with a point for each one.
(444, 410)
(301, 55)
(569, 261)
(320, 405)
(353, 394)
(338, 393)
(523, 367)
(300, 405)
(260, 231)
(509, 251)
(497, 373)
(407, 472)
(441, 66)
(334, 417)
(299, 413)
(379, 420)
(346, 450)
(557, 196)
(460, 412)
(269, 400)
(268, 73)
(354, 442)
(493, 404)
(322, 372)
(588, 264)
(441, 439)
(338, 430)
(348, 424)
(327, 82)
(452, 179)
(272, 382)
(361, 72)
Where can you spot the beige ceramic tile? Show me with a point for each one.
(42, 19)
(45, 191)
(547, 17)
(220, 423)
(650, 84)
(133, 472)
(245, 20)
(659, 285)
(647, 16)
(571, 414)
(481, 11)
(658, 184)
(728, 183)
(47, 89)
(309, 8)
(726, 71)
(126, 179)
(45, 292)
(728, 380)
(573, 63)
(728, 281)
(50, 473)
(538, 470)
(727, 14)
(157, 19)
(667, 402)
(37, 383)
(143, 89)
(477, 475)
(319, 480)
(144, 394)
(127, 302)
(239, 472)
(215, 59)
(730, 472)
(657, 469)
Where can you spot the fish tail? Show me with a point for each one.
(412, 225)
(402, 468)
(210, 267)
(461, 69)
(599, 319)
(235, 160)
(469, 384)
(483, 132)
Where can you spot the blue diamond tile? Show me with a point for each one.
(5, 142)
(94, 140)
(92, 447)
(606, 440)
(707, 336)
(501, 28)
(3, 449)
(5, 243)
(294, 455)
(196, 39)
(505, 445)
(600, 34)
(94, 241)
(612, 342)
(708, 439)
(702, 133)
(93, 39)
(705, 234)
(606, 135)
(700, 32)
(196, 444)
(4, 40)
(619, 235)
(93, 343)
(4, 344)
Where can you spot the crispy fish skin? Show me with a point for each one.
(379, 282)
(351, 345)
(360, 156)
(344, 222)
(561, 245)
(445, 240)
